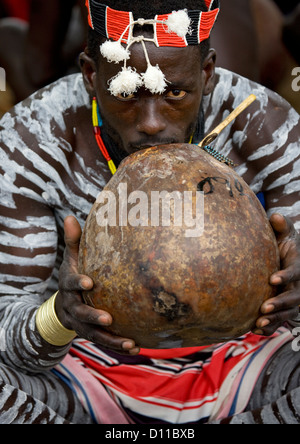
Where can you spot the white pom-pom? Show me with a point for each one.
(179, 22)
(154, 80)
(114, 52)
(126, 82)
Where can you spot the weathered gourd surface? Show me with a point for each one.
(176, 286)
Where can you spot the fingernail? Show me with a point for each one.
(128, 345)
(264, 323)
(276, 280)
(268, 308)
(258, 332)
(104, 320)
(134, 351)
(85, 283)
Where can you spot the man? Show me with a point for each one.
(51, 167)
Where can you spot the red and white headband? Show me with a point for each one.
(177, 29)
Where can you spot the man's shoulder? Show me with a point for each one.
(232, 89)
(229, 84)
(54, 99)
(46, 120)
(66, 93)
(47, 110)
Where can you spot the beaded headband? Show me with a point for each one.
(177, 29)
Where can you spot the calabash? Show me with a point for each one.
(180, 250)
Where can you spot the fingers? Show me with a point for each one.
(84, 314)
(285, 306)
(72, 232)
(90, 323)
(279, 223)
(276, 311)
(110, 342)
(287, 276)
(267, 326)
(75, 282)
(283, 226)
(285, 301)
(72, 241)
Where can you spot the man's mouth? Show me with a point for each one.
(133, 148)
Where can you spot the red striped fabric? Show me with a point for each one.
(116, 23)
(182, 385)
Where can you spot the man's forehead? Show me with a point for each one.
(178, 64)
(168, 58)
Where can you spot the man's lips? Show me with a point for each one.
(138, 147)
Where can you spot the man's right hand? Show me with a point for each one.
(72, 312)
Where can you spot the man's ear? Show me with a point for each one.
(88, 69)
(208, 70)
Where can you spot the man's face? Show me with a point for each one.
(144, 119)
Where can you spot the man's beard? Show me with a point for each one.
(117, 151)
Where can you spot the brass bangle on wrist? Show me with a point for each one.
(49, 326)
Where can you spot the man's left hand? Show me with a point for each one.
(285, 306)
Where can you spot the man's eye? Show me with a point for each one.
(176, 94)
(124, 96)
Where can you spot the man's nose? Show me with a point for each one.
(151, 120)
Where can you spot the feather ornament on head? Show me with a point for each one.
(114, 52)
(154, 80)
(179, 22)
(126, 83)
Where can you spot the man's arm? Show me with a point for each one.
(88, 322)
(278, 170)
(28, 251)
(285, 306)
(275, 168)
(264, 142)
(38, 189)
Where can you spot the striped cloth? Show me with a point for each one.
(178, 386)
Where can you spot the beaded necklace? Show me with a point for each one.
(220, 157)
(97, 123)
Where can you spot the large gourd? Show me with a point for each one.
(179, 285)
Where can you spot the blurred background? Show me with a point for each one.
(40, 41)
